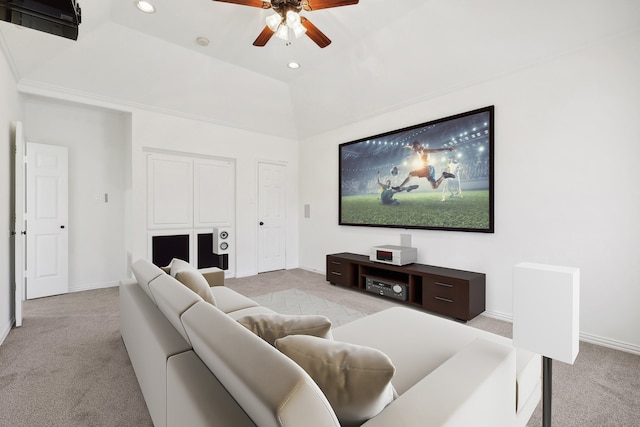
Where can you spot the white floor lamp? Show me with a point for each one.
(546, 315)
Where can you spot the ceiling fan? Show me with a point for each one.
(286, 22)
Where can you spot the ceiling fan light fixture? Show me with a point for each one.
(283, 32)
(273, 21)
(293, 19)
(299, 31)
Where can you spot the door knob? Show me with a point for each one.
(62, 226)
(261, 223)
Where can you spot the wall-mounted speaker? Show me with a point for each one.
(221, 240)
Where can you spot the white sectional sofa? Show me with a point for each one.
(198, 366)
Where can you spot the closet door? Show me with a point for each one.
(214, 193)
(187, 199)
(169, 192)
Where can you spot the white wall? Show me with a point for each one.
(106, 156)
(11, 110)
(156, 131)
(96, 139)
(566, 188)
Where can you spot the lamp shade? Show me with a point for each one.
(546, 310)
(273, 21)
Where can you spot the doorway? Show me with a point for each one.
(272, 218)
(47, 212)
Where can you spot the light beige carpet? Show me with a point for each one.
(67, 365)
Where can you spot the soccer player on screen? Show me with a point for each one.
(426, 170)
(452, 184)
(387, 191)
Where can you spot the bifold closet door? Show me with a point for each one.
(169, 192)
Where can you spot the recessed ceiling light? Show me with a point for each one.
(202, 41)
(293, 65)
(145, 6)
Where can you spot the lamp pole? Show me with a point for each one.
(546, 391)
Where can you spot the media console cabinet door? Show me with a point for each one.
(447, 296)
(340, 271)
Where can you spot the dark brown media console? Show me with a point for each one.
(456, 293)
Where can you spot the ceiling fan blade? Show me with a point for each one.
(325, 4)
(314, 33)
(264, 37)
(253, 3)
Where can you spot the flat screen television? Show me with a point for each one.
(436, 175)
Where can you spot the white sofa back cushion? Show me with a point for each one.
(173, 299)
(272, 389)
(145, 272)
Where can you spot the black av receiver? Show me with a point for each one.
(386, 288)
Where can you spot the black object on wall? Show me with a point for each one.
(165, 248)
(206, 257)
(57, 17)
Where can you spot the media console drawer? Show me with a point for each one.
(339, 271)
(456, 293)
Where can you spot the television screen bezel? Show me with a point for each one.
(432, 123)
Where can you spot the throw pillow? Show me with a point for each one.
(271, 326)
(195, 281)
(356, 380)
(179, 265)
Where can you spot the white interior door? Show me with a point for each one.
(47, 220)
(18, 225)
(272, 219)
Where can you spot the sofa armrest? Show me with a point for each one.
(476, 386)
(213, 275)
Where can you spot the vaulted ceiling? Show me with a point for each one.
(384, 54)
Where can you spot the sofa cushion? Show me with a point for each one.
(144, 272)
(193, 280)
(474, 387)
(270, 387)
(229, 300)
(417, 347)
(270, 327)
(173, 299)
(355, 379)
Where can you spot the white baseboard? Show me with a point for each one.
(609, 343)
(498, 315)
(313, 270)
(93, 286)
